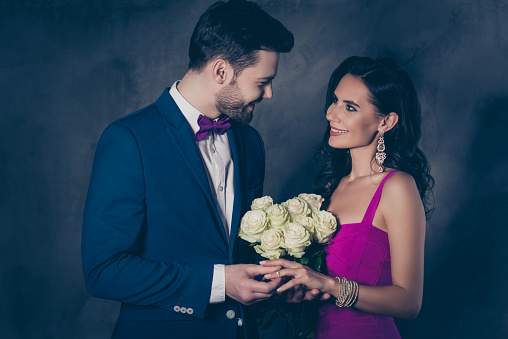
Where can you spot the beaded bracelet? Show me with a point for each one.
(348, 292)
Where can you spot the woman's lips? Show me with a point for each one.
(335, 132)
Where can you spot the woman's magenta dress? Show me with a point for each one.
(359, 252)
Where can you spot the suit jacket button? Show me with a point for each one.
(176, 308)
(230, 314)
(240, 322)
(183, 309)
(190, 310)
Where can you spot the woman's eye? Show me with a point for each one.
(335, 100)
(350, 108)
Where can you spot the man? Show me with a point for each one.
(170, 183)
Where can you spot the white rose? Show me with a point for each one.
(325, 225)
(261, 203)
(271, 242)
(297, 206)
(278, 215)
(252, 226)
(314, 200)
(306, 222)
(296, 239)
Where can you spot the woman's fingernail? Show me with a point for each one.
(268, 276)
(262, 262)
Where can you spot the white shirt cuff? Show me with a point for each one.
(218, 293)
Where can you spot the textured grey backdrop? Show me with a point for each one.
(69, 68)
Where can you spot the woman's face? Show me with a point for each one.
(353, 119)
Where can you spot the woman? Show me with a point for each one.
(375, 261)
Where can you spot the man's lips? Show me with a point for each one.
(253, 104)
(250, 107)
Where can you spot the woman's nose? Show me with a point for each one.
(331, 113)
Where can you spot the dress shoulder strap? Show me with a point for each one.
(371, 210)
(362, 233)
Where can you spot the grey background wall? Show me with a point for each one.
(69, 68)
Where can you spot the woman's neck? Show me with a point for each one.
(362, 162)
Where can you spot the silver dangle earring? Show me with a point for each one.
(381, 155)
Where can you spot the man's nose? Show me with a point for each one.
(268, 92)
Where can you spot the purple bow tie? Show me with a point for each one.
(206, 125)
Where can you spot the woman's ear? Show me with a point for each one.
(388, 121)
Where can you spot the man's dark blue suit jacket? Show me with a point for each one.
(151, 230)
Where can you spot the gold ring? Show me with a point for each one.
(278, 274)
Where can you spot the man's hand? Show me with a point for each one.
(242, 287)
(314, 293)
(298, 294)
(294, 295)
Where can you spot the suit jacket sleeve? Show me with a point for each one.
(113, 226)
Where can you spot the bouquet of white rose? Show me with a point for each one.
(287, 229)
(297, 230)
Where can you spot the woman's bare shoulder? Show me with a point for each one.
(401, 185)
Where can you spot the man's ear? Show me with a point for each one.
(388, 121)
(222, 71)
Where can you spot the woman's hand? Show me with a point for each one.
(313, 282)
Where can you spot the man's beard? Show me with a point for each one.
(229, 101)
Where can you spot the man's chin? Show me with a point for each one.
(247, 118)
(243, 122)
(242, 119)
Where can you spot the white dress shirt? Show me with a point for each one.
(216, 155)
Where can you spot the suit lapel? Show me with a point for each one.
(181, 135)
(235, 143)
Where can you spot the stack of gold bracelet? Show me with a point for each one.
(348, 292)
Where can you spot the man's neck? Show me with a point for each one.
(199, 92)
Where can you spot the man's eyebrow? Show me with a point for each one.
(267, 78)
(351, 103)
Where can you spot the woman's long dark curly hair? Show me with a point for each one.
(391, 90)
